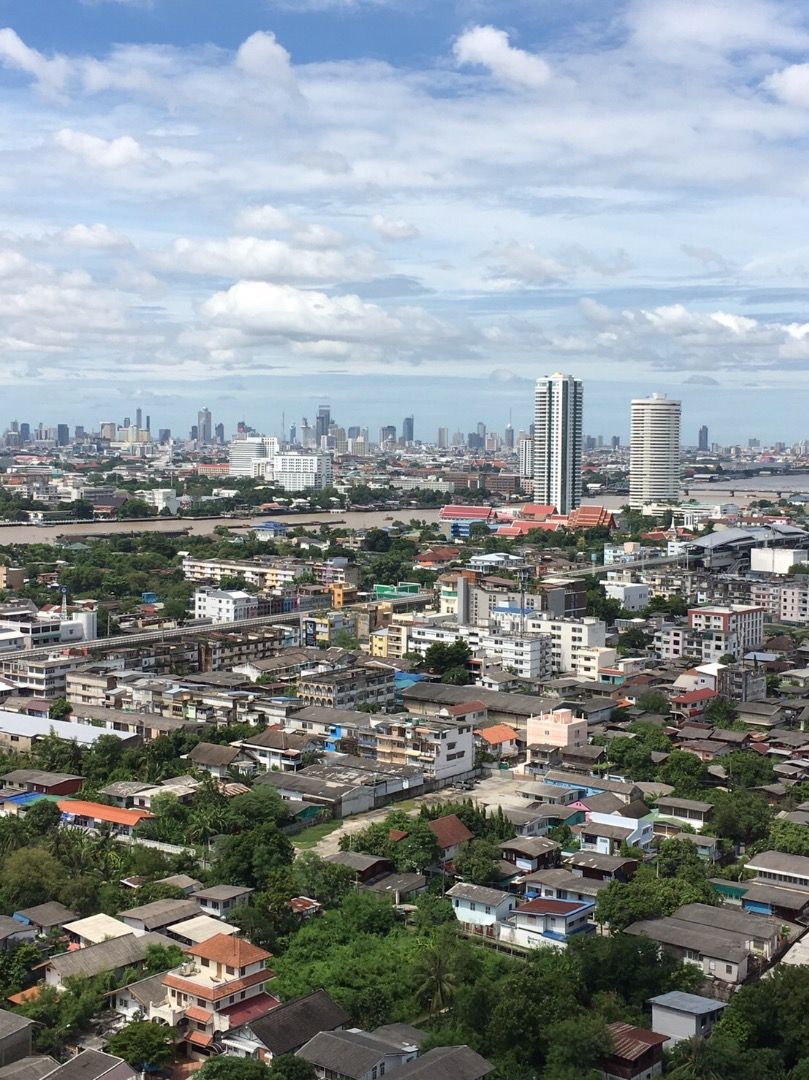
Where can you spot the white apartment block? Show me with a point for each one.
(794, 603)
(631, 595)
(248, 455)
(732, 630)
(766, 560)
(298, 472)
(160, 499)
(224, 605)
(439, 749)
(528, 655)
(572, 640)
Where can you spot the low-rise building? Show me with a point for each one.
(681, 1016)
(224, 605)
(479, 909)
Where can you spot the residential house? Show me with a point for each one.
(219, 988)
(440, 749)
(451, 834)
(637, 1053)
(531, 853)
(159, 914)
(604, 867)
(560, 884)
(220, 761)
(680, 1016)
(762, 935)
(137, 998)
(776, 868)
(94, 929)
(354, 1055)
(366, 868)
(479, 909)
(107, 957)
(672, 812)
(347, 689)
(182, 882)
(42, 781)
(14, 933)
(15, 1037)
(221, 900)
(499, 740)
(277, 749)
(447, 1063)
(760, 898)
(717, 953)
(46, 917)
(91, 1065)
(92, 816)
(544, 922)
(607, 833)
(200, 928)
(289, 1025)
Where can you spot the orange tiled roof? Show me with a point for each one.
(496, 734)
(449, 831)
(188, 985)
(233, 951)
(199, 1038)
(99, 812)
(194, 1012)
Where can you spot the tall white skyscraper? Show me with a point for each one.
(204, 428)
(557, 442)
(654, 460)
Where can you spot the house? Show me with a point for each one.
(776, 868)
(198, 929)
(542, 922)
(762, 935)
(15, 1037)
(182, 882)
(606, 833)
(277, 749)
(113, 956)
(479, 909)
(693, 812)
(450, 834)
(680, 1016)
(399, 888)
(14, 933)
(220, 761)
(637, 1053)
(354, 1055)
(561, 884)
(595, 865)
(227, 974)
(530, 853)
(367, 868)
(92, 816)
(42, 781)
(95, 929)
(159, 914)
(137, 997)
(717, 953)
(46, 917)
(447, 1063)
(92, 1065)
(764, 899)
(289, 1025)
(707, 847)
(499, 740)
(221, 900)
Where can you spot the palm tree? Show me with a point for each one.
(438, 983)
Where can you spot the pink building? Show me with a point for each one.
(557, 728)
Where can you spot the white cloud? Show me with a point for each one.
(264, 218)
(523, 264)
(100, 153)
(675, 27)
(791, 85)
(260, 259)
(14, 53)
(489, 47)
(93, 236)
(705, 255)
(393, 228)
(259, 308)
(263, 58)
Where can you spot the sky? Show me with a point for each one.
(401, 206)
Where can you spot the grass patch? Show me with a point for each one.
(315, 833)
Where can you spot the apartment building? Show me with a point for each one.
(224, 605)
(572, 640)
(43, 677)
(439, 749)
(366, 685)
(269, 574)
(527, 655)
(559, 727)
(390, 642)
(732, 630)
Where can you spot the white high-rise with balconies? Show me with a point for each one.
(557, 442)
(654, 462)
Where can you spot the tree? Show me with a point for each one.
(250, 857)
(136, 508)
(144, 1043)
(740, 816)
(456, 676)
(633, 640)
(653, 701)
(59, 709)
(233, 1068)
(789, 837)
(289, 1067)
(721, 711)
(575, 1047)
(684, 771)
(437, 982)
(746, 769)
(43, 817)
(478, 862)
(30, 876)
(647, 897)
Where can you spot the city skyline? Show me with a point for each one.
(156, 239)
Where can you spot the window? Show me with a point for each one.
(728, 969)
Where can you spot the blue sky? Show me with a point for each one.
(404, 205)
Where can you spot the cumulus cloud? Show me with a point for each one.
(677, 27)
(260, 308)
(253, 257)
(393, 228)
(791, 85)
(93, 236)
(264, 58)
(488, 47)
(264, 218)
(100, 153)
(523, 264)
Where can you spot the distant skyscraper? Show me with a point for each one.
(204, 429)
(25, 432)
(474, 440)
(164, 435)
(353, 432)
(322, 423)
(62, 434)
(219, 434)
(703, 438)
(615, 442)
(148, 422)
(127, 422)
(194, 433)
(481, 429)
(654, 459)
(509, 437)
(387, 435)
(443, 438)
(558, 406)
(139, 418)
(407, 430)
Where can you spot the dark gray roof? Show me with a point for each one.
(349, 1053)
(273, 739)
(146, 991)
(206, 753)
(92, 1065)
(357, 860)
(37, 776)
(754, 927)
(693, 1004)
(530, 845)
(390, 884)
(684, 804)
(288, 1026)
(48, 915)
(446, 1063)
(781, 863)
(9, 927)
(108, 955)
(221, 892)
(495, 700)
(401, 1034)
(478, 894)
(29, 1068)
(11, 1022)
(692, 936)
(161, 912)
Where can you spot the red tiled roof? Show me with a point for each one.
(498, 733)
(537, 510)
(233, 951)
(693, 697)
(100, 812)
(543, 906)
(302, 904)
(251, 1009)
(449, 831)
(199, 1038)
(465, 707)
(194, 1012)
(466, 513)
(396, 835)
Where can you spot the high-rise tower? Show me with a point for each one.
(654, 459)
(558, 406)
